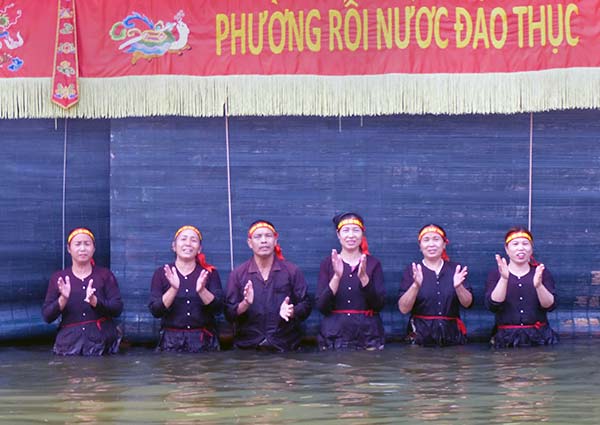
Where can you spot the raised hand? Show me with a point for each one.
(286, 311)
(64, 287)
(502, 267)
(537, 277)
(172, 276)
(459, 276)
(337, 263)
(417, 274)
(362, 270)
(249, 292)
(202, 279)
(90, 292)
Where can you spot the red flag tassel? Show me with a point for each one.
(65, 73)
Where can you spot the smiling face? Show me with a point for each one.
(262, 242)
(350, 237)
(81, 248)
(519, 250)
(432, 246)
(187, 245)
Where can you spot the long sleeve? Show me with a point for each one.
(215, 288)
(233, 296)
(157, 289)
(324, 299)
(300, 299)
(110, 303)
(375, 290)
(490, 285)
(51, 308)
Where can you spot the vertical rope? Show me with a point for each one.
(228, 185)
(64, 193)
(530, 168)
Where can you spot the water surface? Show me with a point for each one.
(401, 385)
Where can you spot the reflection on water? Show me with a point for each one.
(402, 384)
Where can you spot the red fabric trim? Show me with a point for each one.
(536, 325)
(201, 258)
(461, 325)
(86, 322)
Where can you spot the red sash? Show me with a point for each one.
(87, 322)
(461, 325)
(536, 325)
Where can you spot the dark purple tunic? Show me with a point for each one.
(437, 297)
(188, 325)
(521, 307)
(85, 330)
(260, 326)
(339, 330)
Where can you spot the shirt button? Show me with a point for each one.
(188, 301)
(83, 287)
(439, 313)
(521, 298)
(348, 301)
(84, 314)
(83, 329)
(439, 302)
(188, 326)
(185, 277)
(438, 283)
(350, 275)
(521, 311)
(438, 292)
(520, 284)
(187, 290)
(348, 314)
(189, 314)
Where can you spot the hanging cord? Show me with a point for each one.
(228, 185)
(530, 168)
(64, 192)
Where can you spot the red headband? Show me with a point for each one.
(80, 231)
(433, 229)
(188, 227)
(352, 220)
(519, 234)
(260, 225)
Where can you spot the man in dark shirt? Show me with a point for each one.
(266, 296)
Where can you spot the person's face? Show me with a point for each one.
(262, 242)
(350, 237)
(187, 245)
(519, 250)
(81, 248)
(432, 246)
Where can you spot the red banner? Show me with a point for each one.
(338, 37)
(195, 37)
(213, 38)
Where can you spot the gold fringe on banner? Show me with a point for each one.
(310, 95)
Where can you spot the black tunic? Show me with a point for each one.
(261, 326)
(85, 330)
(351, 317)
(188, 325)
(521, 310)
(436, 298)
